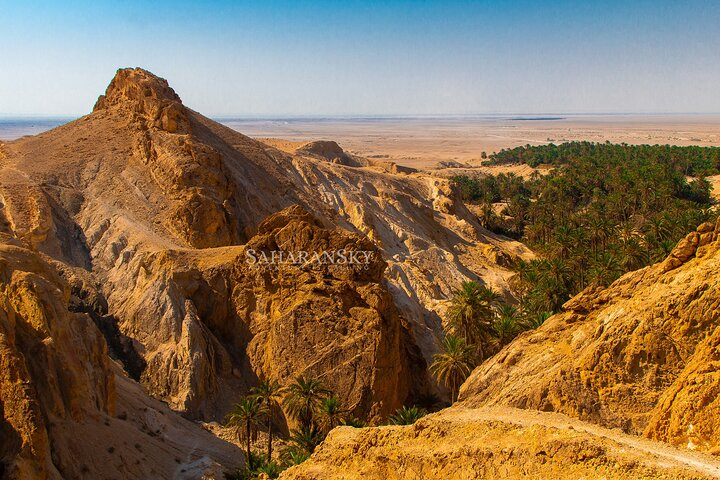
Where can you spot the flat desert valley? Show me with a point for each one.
(424, 142)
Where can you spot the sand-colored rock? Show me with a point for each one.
(496, 443)
(212, 321)
(640, 355)
(128, 233)
(64, 410)
(688, 412)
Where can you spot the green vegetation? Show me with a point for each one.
(453, 364)
(306, 438)
(407, 416)
(692, 161)
(268, 392)
(303, 399)
(471, 313)
(247, 415)
(602, 211)
(331, 413)
(353, 422)
(307, 400)
(479, 324)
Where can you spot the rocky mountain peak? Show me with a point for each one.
(146, 95)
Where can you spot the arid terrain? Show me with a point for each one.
(130, 316)
(425, 142)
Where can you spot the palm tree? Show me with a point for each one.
(579, 263)
(658, 228)
(596, 231)
(471, 312)
(506, 326)
(331, 412)
(633, 254)
(564, 240)
(534, 320)
(524, 279)
(558, 271)
(605, 269)
(303, 399)
(353, 422)
(246, 416)
(306, 438)
(268, 392)
(453, 364)
(406, 416)
(487, 215)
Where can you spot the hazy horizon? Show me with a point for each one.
(280, 58)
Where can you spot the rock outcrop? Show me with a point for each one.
(641, 355)
(58, 385)
(147, 210)
(126, 245)
(213, 321)
(330, 151)
(496, 443)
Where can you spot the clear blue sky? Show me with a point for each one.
(347, 57)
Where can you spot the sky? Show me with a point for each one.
(277, 58)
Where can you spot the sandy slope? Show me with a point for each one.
(498, 443)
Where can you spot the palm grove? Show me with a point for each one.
(600, 210)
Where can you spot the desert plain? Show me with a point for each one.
(423, 142)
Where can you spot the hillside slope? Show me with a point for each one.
(497, 443)
(58, 385)
(641, 355)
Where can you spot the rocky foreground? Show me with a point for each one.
(497, 443)
(642, 355)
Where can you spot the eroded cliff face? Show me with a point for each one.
(148, 210)
(496, 443)
(212, 322)
(640, 355)
(53, 363)
(63, 407)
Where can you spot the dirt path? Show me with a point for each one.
(666, 455)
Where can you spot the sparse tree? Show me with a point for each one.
(331, 412)
(471, 313)
(453, 364)
(246, 416)
(506, 325)
(306, 438)
(303, 398)
(268, 392)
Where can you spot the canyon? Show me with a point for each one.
(133, 313)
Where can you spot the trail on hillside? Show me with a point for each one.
(666, 455)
